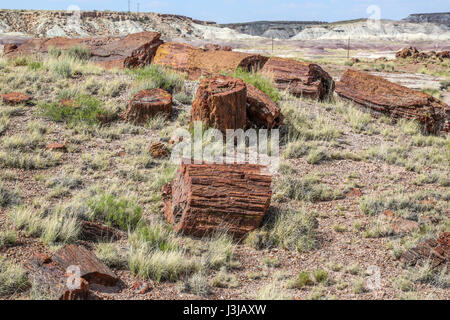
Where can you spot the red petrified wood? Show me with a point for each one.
(205, 198)
(299, 78)
(133, 50)
(381, 95)
(262, 112)
(435, 251)
(221, 103)
(92, 269)
(148, 103)
(14, 98)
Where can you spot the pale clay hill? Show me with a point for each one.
(84, 24)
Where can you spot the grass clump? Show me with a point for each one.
(115, 212)
(224, 279)
(290, 229)
(320, 275)
(13, 278)
(7, 238)
(302, 280)
(87, 110)
(8, 197)
(196, 284)
(154, 76)
(272, 291)
(111, 255)
(262, 83)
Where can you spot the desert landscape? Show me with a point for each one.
(92, 106)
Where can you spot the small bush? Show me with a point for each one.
(8, 197)
(225, 279)
(111, 255)
(262, 83)
(87, 110)
(7, 238)
(183, 98)
(272, 291)
(320, 275)
(13, 278)
(302, 280)
(78, 52)
(197, 284)
(155, 76)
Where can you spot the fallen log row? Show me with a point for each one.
(196, 62)
(133, 50)
(383, 96)
(299, 78)
(206, 198)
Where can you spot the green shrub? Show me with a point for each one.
(63, 68)
(87, 110)
(35, 65)
(302, 280)
(78, 52)
(262, 83)
(320, 275)
(115, 212)
(197, 284)
(7, 238)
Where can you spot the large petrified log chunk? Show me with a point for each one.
(299, 78)
(437, 252)
(384, 96)
(196, 62)
(14, 98)
(206, 198)
(133, 50)
(51, 279)
(221, 103)
(148, 103)
(262, 112)
(92, 269)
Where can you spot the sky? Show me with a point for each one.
(228, 11)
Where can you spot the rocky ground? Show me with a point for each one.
(353, 192)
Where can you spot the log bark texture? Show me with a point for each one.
(383, 96)
(196, 62)
(93, 231)
(220, 102)
(148, 103)
(92, 269)
(299, 78)
(435, 251)
(206, 198)
(262, 112)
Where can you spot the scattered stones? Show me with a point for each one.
(206, 198)
(146, 104)
(299, 78)
(221, 103)
(412, 52)
(158, 150)
(436, 251)
(133, 50)
(56, 147)
(262, 112)
(142, 287)
(216, 47)
(92, 269)
(383, 96)
(14, 98)
(407, 52)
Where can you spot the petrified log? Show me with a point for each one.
(133, 50)
(14, 98)
(196, 62)
(146, 104)
(262, 112)
(93, 231)
(206, 198)
(221, 103)
(381, 95)
(435, 251)
(407, 52)
(92, 269)
(51, 279)
(299, 78)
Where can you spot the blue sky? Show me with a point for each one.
(249, 10)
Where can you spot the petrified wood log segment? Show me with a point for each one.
(93, 231)
(146, 104)
(384, 96)
(262, 112)
(92, 269)
(133, 50)
(299, 78)
(437, 252)
(205, 198)
(196, 62)
(221, 103)
(51, 279)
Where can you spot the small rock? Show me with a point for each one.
(15, 98)
(141, 287)
(158, 150)
(56, 147)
